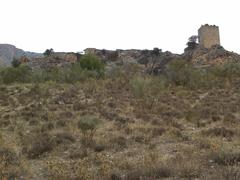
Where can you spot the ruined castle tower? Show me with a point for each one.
(209, 36)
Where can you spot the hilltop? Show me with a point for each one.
(121, 115)
(153, 60)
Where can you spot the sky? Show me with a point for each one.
(73, 25)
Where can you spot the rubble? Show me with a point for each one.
(54, 60)
(153, 60)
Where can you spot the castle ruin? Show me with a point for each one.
(208, 36)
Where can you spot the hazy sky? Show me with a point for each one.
(73, 25)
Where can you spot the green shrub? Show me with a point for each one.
(228, 70)
(73, 73)
(181, 73)
(92, 63)
(76, 73)
(88, 126)
(140, 86)
(53, 74)
(20, 74)
(144, 86)
(36, 145)
(24, 74)
(15, 63)
(70, 74)
(147, 90)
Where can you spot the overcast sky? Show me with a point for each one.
(73, 25)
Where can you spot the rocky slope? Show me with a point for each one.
(173, 133)
(9, 52)
(215, 55)
(153, 61)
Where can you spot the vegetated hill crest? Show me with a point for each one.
(154, 60)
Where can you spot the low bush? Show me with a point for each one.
(92, 63)
(10, 165)
(140, 86)
(228, 173)
(37, 145)
(89, 67)
(8, 155)
(183, 73)
(226, 158)
(73, 74)
(88, 126)
(19, 74)
(219, 131)
(158, 172)
(228, 70)
(147, 90)
(118, 143)
(23, 74)
(15, 63)
(63, 138)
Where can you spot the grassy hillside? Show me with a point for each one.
(125, 125)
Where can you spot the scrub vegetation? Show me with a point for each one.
(82, 122)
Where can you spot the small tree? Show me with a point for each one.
(48, 52)
(156, 53)
(15, 63)
(88, 126)
(192, 42)
(147, 90)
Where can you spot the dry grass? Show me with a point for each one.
(173, 133)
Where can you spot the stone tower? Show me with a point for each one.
(209, 36)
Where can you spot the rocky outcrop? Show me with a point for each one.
(9, 52)
(58, 59)
(69, 57)
(215, 55)
(153, 60)
(120, 56)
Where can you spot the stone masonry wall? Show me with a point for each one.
(209, 36)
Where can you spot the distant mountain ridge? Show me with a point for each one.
(8, 52)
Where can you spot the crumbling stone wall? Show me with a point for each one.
(56, 59)
(209, 36)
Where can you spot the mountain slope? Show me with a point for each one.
(9, 52)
